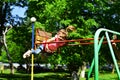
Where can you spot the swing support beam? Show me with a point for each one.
(97, 45)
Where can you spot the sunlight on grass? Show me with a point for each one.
(50, 74)
(104, 76)
(108, 76)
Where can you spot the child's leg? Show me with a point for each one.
(38, 50)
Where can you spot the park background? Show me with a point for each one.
(51, 15)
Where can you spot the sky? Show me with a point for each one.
(18, 11)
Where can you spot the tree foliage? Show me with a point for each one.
(86, 15)
(8, 18)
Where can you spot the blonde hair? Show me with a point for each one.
(114, 37)
(65, 31)
(70, 28)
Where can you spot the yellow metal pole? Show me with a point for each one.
(32, 67)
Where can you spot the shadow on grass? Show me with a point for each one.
(28, 77)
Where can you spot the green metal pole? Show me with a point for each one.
(96, 53)
(96, 50)
(93, 62)
(113, 56)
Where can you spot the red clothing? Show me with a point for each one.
(52, 47)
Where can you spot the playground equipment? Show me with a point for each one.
(97, 44)
(33, 19)
(41, 36)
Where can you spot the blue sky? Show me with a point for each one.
(20, 11)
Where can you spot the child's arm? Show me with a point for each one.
(51, 39)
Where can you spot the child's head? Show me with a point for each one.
(114, 37)
(62, 33)
(70, 28)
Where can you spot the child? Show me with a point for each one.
(50, 47)
(115, 48)
(114, 37)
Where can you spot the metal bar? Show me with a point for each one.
(113, 56)
(96, 50)
(32, 61)
(83, 43)
(93, 62)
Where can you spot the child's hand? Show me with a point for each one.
(112, 41)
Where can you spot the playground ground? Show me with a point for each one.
(52, 76)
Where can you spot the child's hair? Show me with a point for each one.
(114, 37)
(70, 28)
(65, 31)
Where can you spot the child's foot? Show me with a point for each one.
(27, 54)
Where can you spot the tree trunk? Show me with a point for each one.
(9, 59)
(83, 69)
(7, 52)
(113, 69)
(28, 68)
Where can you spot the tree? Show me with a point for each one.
(56, 14)
(6, 48)
(86, 15)
(8, 18)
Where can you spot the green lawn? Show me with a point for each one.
(108, 76)
(40, 76)
(51, 76)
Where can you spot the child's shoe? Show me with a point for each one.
(27, 54)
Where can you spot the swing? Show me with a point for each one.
(41, 36)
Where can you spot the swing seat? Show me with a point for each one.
(40, 37)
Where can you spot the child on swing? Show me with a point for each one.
(115, 48)
(50, 47)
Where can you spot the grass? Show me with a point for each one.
(40, 76)
(51, 76)
(108, 76)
